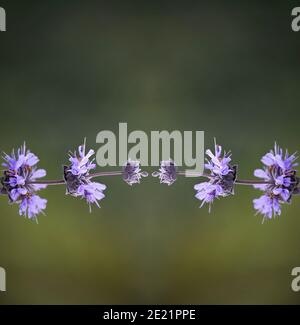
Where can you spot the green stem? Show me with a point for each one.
(61, 181)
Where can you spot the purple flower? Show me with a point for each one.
(167, 172)
(81, 163)
(92, 192)
(77, 179)
(281, 182)
(267, 205)
(221, 178)
(32, 205)
(218, 164)
(18, 182)
(207, 192)
(132, 172)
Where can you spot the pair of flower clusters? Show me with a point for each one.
(21, 179)
(278, 179)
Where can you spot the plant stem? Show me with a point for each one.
(251, 182)
(238, 181)
(48, 182)
(102, 174)
(61, 181)
(182, 173)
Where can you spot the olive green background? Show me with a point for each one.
(69, 69)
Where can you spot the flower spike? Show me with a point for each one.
(21, 179)
(132, 172)
(280, 174)
(76, 177)
(221, 178)
(17, 182)
(167, 173)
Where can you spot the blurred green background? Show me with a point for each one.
(70, 69)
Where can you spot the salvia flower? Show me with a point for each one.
(76, 177)
(18, 180)
(81, 163)
(221, 176)
(132, 172)
(281, 182)
(167, 172)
